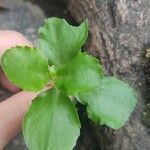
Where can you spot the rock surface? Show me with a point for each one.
(119, 36)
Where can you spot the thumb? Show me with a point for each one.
(10, 39)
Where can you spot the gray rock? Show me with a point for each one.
(119, 35)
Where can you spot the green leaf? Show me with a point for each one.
(82, 74)
(110, 104)
(26, 67)
(51, 123)
(60, 41)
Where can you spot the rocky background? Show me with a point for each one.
(119, 37)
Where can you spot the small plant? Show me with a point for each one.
(52, 122)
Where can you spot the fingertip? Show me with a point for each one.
(10, 39)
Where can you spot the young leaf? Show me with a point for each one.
(110, 104)
(60, 41)
(82, 74)
(51, 123)
(26, 67)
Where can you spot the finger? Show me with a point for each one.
(12, 112)
(10, 39)
(7, 84)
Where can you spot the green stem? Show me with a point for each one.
(52, 73)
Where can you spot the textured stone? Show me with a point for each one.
(119, 35)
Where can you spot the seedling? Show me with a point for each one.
(52, 121)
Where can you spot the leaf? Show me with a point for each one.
(60, 41)
(110, 104)
(51, 123)
(82, 74)
(26, 67)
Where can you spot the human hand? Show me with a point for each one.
(12, 110)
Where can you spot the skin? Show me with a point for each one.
(13, 109)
